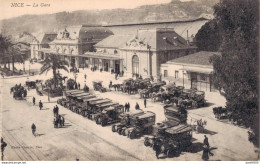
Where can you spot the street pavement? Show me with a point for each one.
(84, 140)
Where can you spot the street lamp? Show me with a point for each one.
(183, 74)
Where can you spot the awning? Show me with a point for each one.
(101, 56)
(198, 70)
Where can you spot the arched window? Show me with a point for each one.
(135, 65)
(58, 50)
(65, 51)
(71, 51)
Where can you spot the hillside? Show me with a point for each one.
(173, 11)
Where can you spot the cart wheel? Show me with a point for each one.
(169, 153)
(132, 135)
(124, 132)
(103, 123)
(113, 128)
(119, 131)
(146, 142)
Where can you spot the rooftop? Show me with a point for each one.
(157, 39)
(114, 41)
(199, 58)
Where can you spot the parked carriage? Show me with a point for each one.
(220, 112)
(97, 85)
(191, 99)
(135, 123)
(109, 115)
(31, 84)
(171, 140)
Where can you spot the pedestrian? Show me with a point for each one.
(85, 76)
(205, 154)
(63, 121)
(60, 121)
(110, 84)
(137, 107)
(125, 107)
(115, 87)
(57, 109)
(33, 129)
(128, 107)
(157, 149)
(33, 100)
(3, 75)
(145, 102)
(3, 145)
(206, 141)
(79, 86)
(54, 111)
(40, 105)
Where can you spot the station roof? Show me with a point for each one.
(157, 39)
(199, 58)
(114, 41)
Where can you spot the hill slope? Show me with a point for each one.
(173, 11)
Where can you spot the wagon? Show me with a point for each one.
(31, 84)
(97, 85)
(109, 115)
(171, 141)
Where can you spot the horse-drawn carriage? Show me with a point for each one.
(110, 114)
(170, 140)
(19, 92)
(97, 85)
(58, 121)
(220, 112)
(191, 99)
(31, 84)
(135, 123)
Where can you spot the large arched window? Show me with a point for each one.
(58, 50)
(135, 65)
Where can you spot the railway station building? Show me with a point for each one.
(72, 42)
(41, 43)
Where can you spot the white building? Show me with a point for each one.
(191, 71)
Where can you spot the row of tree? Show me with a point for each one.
(10, 53)
(234, 33)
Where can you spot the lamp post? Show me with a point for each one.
(183, 74)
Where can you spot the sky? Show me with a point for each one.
(54, 6)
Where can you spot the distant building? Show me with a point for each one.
(192, 71)
(108, 55)
(139, 54)
(40, 43)
(72, 42)
(150, 48)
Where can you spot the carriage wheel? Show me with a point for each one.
(146, 142)
(169, 153)
(124, 132)
(119, 131)
(113, 128)
(132, 134)
(103, 123)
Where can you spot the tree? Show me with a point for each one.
(53, 62)
(9, 52)
(5, 43)
(209, 37)
(236, 70)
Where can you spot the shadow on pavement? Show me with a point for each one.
(196, 147)
(208, 104)
(206, 131)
